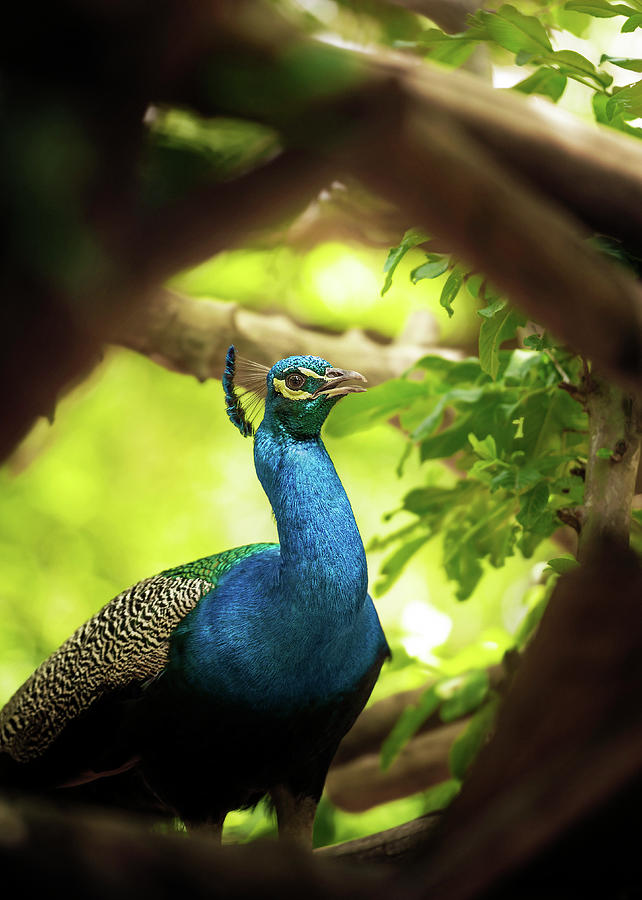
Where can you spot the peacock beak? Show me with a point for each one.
(336, 383)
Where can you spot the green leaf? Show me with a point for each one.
(500, 542)
(421, 501)
(412, 238)
(533, 504)
(624, 62)
(514, 31)
(450, 49)
(394, 565)
(521, 363)
(562, 564)
(462, 694)
(432, 421)
(489, 311)
(632, 23)
(493, 332)
(604, 453)
(462, 563)
(535, 341)
(447, 442)
(533, 618)
(600, 103)
(467, 746)
(599, 9)
(407, 725)
(575, 65)
(545, 81)
(486, 449)
(627, 102)
(431, 269)
(441, 795)
(451, 289)
(378, 404)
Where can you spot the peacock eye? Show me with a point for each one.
(294, 381)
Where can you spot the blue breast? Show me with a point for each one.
(252, 643)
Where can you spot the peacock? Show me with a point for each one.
(232, 678)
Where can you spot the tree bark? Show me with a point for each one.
(615, 428)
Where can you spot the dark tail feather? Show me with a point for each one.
(233, 404)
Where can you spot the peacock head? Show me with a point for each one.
(299, 392)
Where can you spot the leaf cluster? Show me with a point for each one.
(527, 38)
(520, 444)
(448, 699)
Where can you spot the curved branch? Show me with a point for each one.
(192, 337)
(361, 784)
(402, 844)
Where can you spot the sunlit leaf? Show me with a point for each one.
(486, 448)
(545, 81)
(462, 563)
(563, 564)
(430, 269)
(533, 504)
(600, 9)
(577, 66)
(394, 565)
(412, 238)
(467, 693)
(632, 23)
(624, 62)
(627, 102)
(514, 31)
(441, 795)
(407, 725)
(378, 404)
(493, 332)
(447, 442)
(467, 745)
(489, 311)
(450, 290)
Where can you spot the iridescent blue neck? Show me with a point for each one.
(323, 562)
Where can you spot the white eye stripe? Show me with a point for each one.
(309, 373)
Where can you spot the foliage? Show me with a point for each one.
(452, 698)
(520, 444)
(527, 39)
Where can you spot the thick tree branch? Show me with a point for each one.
(423, 762)
(529, 246)
(615, 428)
(559, 783)
(192, 336)
(92, 855)
(397, 846)
(509, 187)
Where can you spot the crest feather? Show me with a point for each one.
(245, 388)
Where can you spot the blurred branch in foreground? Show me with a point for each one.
(512, 189)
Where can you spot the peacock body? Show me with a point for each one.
(204, 688)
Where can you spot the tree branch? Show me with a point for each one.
(377, 721)
(192, 337)
(615, 427)
(499, 180)
(397, 846)
(361, 784)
